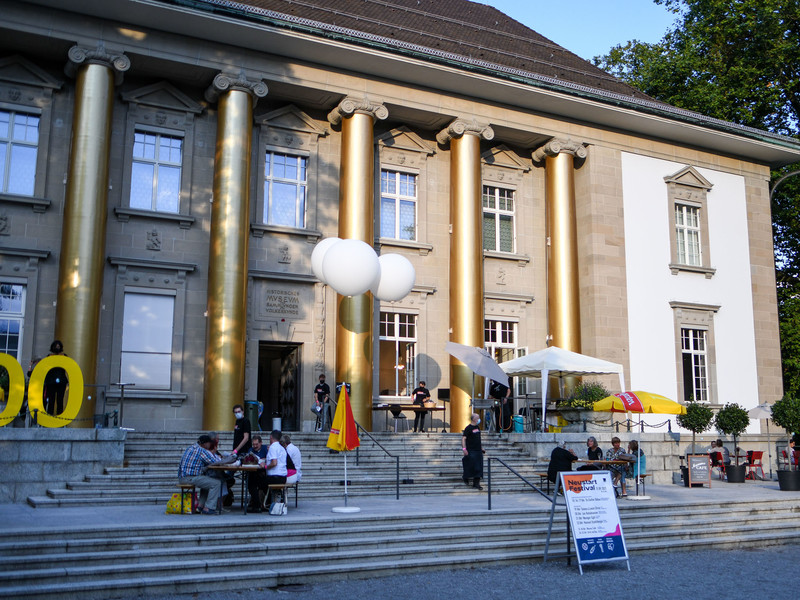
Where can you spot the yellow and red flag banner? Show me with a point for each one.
(344, 434)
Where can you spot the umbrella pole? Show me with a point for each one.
(769, 452)
(345, 479)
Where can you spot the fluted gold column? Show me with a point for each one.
(83, 231)
(354, 347)
(466, 259)
(563, 298)
(227, 261)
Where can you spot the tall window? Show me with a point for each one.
(285, 186)
(500, 339)
(695, 373)
(398, 341)
(687, 231)
(147, 340)
(498, 219)
(398, 205)
(156, 172)
(12, 313)
(19, 143)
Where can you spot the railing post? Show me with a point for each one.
(397, 477)
(489, 481)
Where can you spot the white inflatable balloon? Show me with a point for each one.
(319, 254)
(397, 278)
(350, 267)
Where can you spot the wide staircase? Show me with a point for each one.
(196, 554)
(430, 463)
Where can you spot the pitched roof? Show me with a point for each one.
(469, 33)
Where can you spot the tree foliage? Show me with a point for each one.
(737, 60)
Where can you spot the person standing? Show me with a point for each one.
(501, 394)
(420, 395)
(322, 396)
(55, 382)
(241, 431)
(471, 447)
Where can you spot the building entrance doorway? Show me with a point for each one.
(279, 384)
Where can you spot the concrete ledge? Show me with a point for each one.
(34, 459)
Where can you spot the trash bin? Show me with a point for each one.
(519, 424)
(251, 413)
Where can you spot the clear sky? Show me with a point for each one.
(590, 27)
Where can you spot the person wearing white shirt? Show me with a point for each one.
(294, 455)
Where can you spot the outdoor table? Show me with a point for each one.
(245, 471)
(415, 407)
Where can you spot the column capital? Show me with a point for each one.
(558, 145)
(224, 82)
(350, 106)
(461, 127)
(82, 55)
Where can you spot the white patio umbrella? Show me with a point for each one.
(479, 360)
(764, 411)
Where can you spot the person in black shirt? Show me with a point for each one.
(503, 407)
(593, 452)
(420, 395)
(322, 395)
(561, 459)
(241, 431)
(472, 460)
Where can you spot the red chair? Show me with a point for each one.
(755, 465)
(718, 462)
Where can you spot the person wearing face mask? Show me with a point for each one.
(472, 460)
(241, 431)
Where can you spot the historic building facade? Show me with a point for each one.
(168, 167)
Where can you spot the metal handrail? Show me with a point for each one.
(389, 454)
(377, 443)
(502, 462)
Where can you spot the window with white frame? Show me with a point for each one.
(498, 219)
(156, 172)
(19, 144)
(398, 205)
(285, 189)
(147, 329)
(500, 339)
(694, 352)
(687, 234)
(398, 342)
(12, 316)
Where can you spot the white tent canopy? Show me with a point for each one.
(557, 362)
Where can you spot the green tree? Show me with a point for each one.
(697, 419)
(737, 60)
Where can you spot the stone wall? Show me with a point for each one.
(32, 460)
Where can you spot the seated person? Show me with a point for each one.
(593, 452)
(192, 470)
(561, 459)
(726, 456)
(255, 480)
(294, 472)
(638, 465)
(789, 453)
(711, 450)
(275, 464)
(617, 471)
(226, 476)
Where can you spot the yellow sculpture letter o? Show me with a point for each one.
(36, 390)
(16, 388)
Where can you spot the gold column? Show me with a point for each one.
(83, 231)
(466, 259)
(227, 261)
(354, 347)
(563, 297)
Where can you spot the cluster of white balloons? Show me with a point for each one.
(351, 267)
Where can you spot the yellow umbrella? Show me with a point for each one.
(639, 402)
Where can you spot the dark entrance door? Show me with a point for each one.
(279, 384)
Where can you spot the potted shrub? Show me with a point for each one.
(580, 400)
(732, 419)
(697, 419)
(786, 414)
